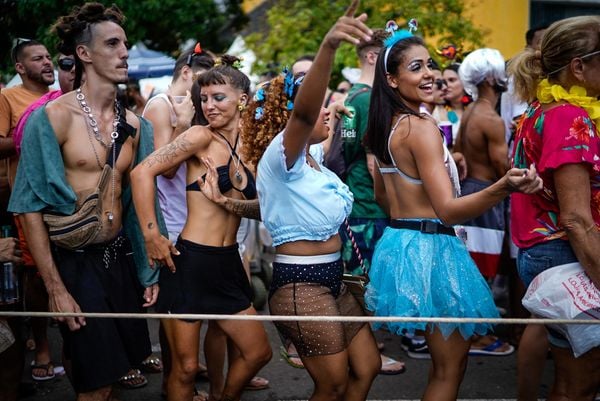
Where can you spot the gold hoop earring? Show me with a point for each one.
(240, 107)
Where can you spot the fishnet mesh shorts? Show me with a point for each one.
(312, 299)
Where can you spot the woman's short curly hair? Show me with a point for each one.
(258, 133)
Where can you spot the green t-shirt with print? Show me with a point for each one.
(358, 178)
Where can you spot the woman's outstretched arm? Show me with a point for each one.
(309, 100)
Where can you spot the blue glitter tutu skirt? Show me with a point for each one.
(427, 275)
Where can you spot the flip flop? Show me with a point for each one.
(59, 370)
(493, 349)
(390, 366)
(46, 367)
(257, 383)
(133, 379)
(289, 358)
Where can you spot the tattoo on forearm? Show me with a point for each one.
(169, 152)
(150, 226)
(244, 208)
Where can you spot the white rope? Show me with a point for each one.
(281, 318)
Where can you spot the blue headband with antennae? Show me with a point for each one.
(396, 36)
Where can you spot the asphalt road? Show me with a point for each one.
(487, 378)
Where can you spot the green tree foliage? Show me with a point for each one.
(296, 27)
(161, 24)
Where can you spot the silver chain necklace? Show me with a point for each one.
(92, 120)
(93, 124)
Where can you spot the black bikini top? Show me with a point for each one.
(224, 180)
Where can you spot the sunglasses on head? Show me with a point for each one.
(440, 83)
(66, 64)
(17, 44)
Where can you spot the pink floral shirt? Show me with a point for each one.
(561, 135)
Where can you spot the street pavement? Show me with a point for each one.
(487, 378)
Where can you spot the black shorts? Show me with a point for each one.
(207, 280)
(102, 278)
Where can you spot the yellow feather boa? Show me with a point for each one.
(577, 96)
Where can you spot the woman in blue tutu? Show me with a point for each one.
(420, 267)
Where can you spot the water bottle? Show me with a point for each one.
(9, 291)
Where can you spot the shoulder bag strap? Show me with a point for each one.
(356, 250)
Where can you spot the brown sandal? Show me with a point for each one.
(133, 379)
(151, 365)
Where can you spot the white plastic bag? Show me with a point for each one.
(566, 292)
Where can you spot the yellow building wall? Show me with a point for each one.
(249, 5)
(504, 21)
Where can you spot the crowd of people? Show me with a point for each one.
(435, 179)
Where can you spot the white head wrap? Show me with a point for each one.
(480, 65)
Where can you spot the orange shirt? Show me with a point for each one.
(13, 102)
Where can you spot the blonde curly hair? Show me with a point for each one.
(257, 133)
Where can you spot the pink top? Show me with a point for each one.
(561, 135)
(18, 132)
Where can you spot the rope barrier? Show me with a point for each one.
(281, 318)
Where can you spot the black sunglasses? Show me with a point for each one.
(66, 64)
(440, 83)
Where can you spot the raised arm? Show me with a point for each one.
(159, 114)
(308, 102)
(184, 146)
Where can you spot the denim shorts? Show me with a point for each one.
(534, 260)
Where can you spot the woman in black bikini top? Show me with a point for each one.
(203, 272)
(224, 179)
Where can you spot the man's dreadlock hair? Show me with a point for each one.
(75, 29)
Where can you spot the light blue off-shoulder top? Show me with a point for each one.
(300, 203)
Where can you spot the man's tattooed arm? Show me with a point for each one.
(243, 208)
(169, 152)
